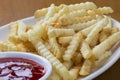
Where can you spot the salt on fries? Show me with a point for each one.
(74, 38)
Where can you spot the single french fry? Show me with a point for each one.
(67, 17)
(85, 50)
(74, 72)
(57, 65)
(22, 31)
(95, 41)
(86, 6)
(50, 13)
(98, 27)
(100, 11)
(32, 37)
(65, 40)
(81, 26)
(106, 44)
(114, 30)
(67, 21)
(60, 32)
(110, 24)
(86, 31)
(67, 64)
(40, 13)
(102, 59)
(7, 46)
(104, 10)
(54, 76)
(107, 30)
(13, 37)
(13, 28)
(86, 68)
(55, 47)
(102, 36)
(73, 46)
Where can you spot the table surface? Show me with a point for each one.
(11, 10)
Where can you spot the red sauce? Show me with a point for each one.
(20, 69)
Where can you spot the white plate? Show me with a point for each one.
(4, 30)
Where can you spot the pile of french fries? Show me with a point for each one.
(74, 38)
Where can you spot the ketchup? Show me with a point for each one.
(20, 69)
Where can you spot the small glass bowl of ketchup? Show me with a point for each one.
(23, 66)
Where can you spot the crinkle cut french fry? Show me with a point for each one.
(100, 11)
(86, 68)
(110, 24)
(107, 30)
(78, 13)
(102, 36)
(7, 46)
(33, 38)
(106, 44)
(87, 5)
(98, 27)
(60, 32)
(22, 31)
(75, 72)
(114, 30)
(85, 50)
(12, 37)
(50, 13)
(55, 47)
(102, 59)
(39, 31)
(70, 16)
(72, 47)
(95, 41)
(13, 28)
(67, 64)
(57, 65)
(54, 76)
(65, 40)
(104, 10)
(105, 33)
(67, 21)
(40, 13)
(87, 30)
(80, 26)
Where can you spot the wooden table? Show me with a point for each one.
(11, 10)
